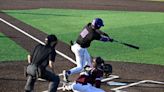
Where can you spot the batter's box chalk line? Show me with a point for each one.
(118, 89)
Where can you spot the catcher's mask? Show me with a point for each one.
(99, 61)
(51, 40)
(97, 23)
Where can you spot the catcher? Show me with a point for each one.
(90, 79)
(41, 57)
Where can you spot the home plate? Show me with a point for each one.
(113, 83)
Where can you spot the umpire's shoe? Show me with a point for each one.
(65, 76)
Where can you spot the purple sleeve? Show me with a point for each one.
(104, 39)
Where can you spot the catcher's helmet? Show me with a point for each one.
(99, 60)
(51, 40)
(97, 23)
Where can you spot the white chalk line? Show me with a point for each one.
(34, 38)
(136, 83)
(111, 77)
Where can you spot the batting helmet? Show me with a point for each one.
(51, 40)
(97, 23)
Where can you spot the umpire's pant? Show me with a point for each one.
(47, 75)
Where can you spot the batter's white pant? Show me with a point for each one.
(82, 58)
(78, 87)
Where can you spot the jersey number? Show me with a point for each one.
(84, 33)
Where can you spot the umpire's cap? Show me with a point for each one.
(97, 22)
(51, 40)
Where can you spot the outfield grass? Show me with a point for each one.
(10, 51)
(145, 29)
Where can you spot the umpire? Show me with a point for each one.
(41, 57)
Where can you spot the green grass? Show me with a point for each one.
(10, 51)
(145, 29)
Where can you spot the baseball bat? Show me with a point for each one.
(126, 44)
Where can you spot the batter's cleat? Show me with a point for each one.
(65, 76)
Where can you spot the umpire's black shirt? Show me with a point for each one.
(42, 54)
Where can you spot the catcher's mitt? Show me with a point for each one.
(107, 70)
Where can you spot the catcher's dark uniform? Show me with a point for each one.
(93, 77)
(89, 81)
(37, 68)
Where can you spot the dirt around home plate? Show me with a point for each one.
(11, 73)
